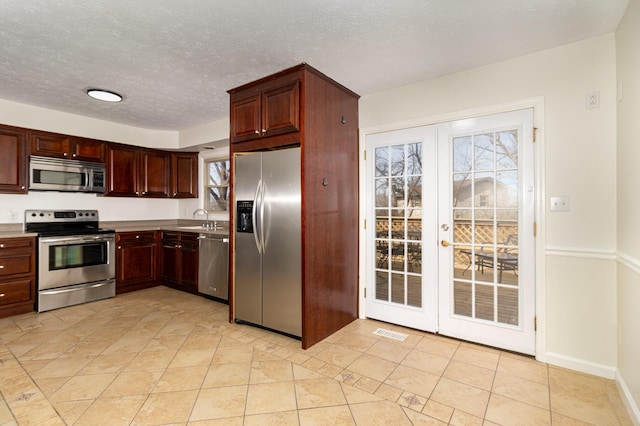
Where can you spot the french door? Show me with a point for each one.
(452, 250)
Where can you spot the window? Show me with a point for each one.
(216, 188)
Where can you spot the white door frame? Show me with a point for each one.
(537, 104)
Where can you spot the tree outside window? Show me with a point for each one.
(217, 173)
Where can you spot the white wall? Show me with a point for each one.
(578, 317)
(628, 69)
(111, 208)
(22, 115)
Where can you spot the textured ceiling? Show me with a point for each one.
(174, 60)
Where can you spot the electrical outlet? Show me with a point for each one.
(559, 204)
(13, 216)
(592, 100)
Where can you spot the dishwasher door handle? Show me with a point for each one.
(204, 237)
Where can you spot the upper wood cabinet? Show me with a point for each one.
(64, 146)
(184, 175)
(13, 160)
(123, 169)
(265, 110)
(155, 167)
(144, 172)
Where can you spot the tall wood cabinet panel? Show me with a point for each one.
(320, 116)
(13, 160)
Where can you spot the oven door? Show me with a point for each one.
(68, 260)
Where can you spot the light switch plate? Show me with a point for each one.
(559, 204)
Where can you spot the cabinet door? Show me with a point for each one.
(135, 263)
(87, 150)
(154, 173)
(170, 257)
(189, 266)
(13, 160)
(50, 144)
(184, 175)
(122, 171)
(281, 109)
(245, 118)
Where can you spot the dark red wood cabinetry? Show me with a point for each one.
(17, 275)
(13, 160)
(144, 172)
(49, 144)
(269, 109)
(155, 167)
(302, 107)
(184, 175)
(179, 260)
(136, 260)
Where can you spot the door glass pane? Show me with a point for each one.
(507, 149)
(382, 192)
(382, 285)
(462, 154)
(382, 162)
(483, 152)
(485, 204)
(397, 160)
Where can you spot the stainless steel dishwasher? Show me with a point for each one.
(213, 265)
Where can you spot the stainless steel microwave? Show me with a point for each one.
(53, 174)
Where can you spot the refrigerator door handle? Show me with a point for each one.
(262, 240)
(254, 220)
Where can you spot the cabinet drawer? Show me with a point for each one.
(134, 237)
(16, 243)
(16, 291)
(170, 236)
(15, 264)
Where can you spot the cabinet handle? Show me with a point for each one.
(22, 187)
(65, 154)
(264, 130)
(1, 294)
(1, 245)
(74, 155)
(257, 132)
(144, 192)
(119, 247)
(137, 236)
(1, 266)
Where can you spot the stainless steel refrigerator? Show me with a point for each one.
(267, 261)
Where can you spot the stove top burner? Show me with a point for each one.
(63, 222)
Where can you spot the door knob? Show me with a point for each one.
(444, 243)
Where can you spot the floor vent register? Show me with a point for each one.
(390, 334)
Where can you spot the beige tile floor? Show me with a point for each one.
(159, 356)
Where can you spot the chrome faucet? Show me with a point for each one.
(206, 225)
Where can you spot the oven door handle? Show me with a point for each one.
(83, 239)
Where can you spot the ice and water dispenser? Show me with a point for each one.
(244, 215)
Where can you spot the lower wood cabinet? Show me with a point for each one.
(179, 260)
(17, 275)
(136, 260)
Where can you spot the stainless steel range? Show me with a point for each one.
(76, 258)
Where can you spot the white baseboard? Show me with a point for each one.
(600, 370)
(632, 407)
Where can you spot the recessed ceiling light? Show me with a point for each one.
(104, 95)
